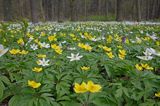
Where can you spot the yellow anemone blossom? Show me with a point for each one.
(37, 69)
(110, 55)
(109, 39)
(157, 94)
(52, 38)
(41, 55)
(106, 49)
(147, 67)
(14, 51)
(42, 34)
(119, 46)
(138, 67)
(20, 41)
(33, 84)
(91, 87)
(36, 41)
(84, 68)
(127, 41)
(85, 46)
(158, 43)
(23, 52)
(142, 66)
(57, 48)
(122, 54)
(80, 88)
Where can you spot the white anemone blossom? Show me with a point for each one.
(71, 48)
(153, 36)
(151, 51)
(2, 50)
(149, 54)
(43, 62)
(34, 47)
(45, 45)
(74, 57)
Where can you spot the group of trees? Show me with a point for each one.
(74, 10)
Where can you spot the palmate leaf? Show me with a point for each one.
(14, 101)
(44, 99)
(1, 89)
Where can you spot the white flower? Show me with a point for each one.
(153, 36)
(71, 48)
(34, 47)
(148, 54)
(2, 50)
(45, 45)
(152, 51)
(149, 51)
(138, 40)
(43, 62)
(74, 57)
(145, 57)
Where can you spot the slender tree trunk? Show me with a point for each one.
(1, 10)
(138, 10)
(118, 10)
(7, 10)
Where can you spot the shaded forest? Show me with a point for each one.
(79, 10)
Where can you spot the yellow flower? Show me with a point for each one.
(33, 84)
(118, 38)
(141, 67)
(41, 55)
(120, 47)
(84, 68)
(100, 46)
(52, 38)
(138, 67)
(42, 34)
(146, 38)
(85, 46)
(88, 36)
(23, 52)
(57, 48)
(158, 43)
(80, 88)
(37, 69)
(36, 41)
(72, 35)
(147, 67)
(29, 35)
(122, 54)
(59, 51)
(91, 87)
(107, 49)
(4, 40)
(157, 94)
(20, 41)
(109, 39)
(110, 55)
(127, 41)
(14, 51)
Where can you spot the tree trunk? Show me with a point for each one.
(7, 10)
(138, 10)
(118, 10)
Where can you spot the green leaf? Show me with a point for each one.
(119, 92)
(108, 71)
(125, 90)
(70, 103)
(1, 89)
(5, 80)
(14, 101)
